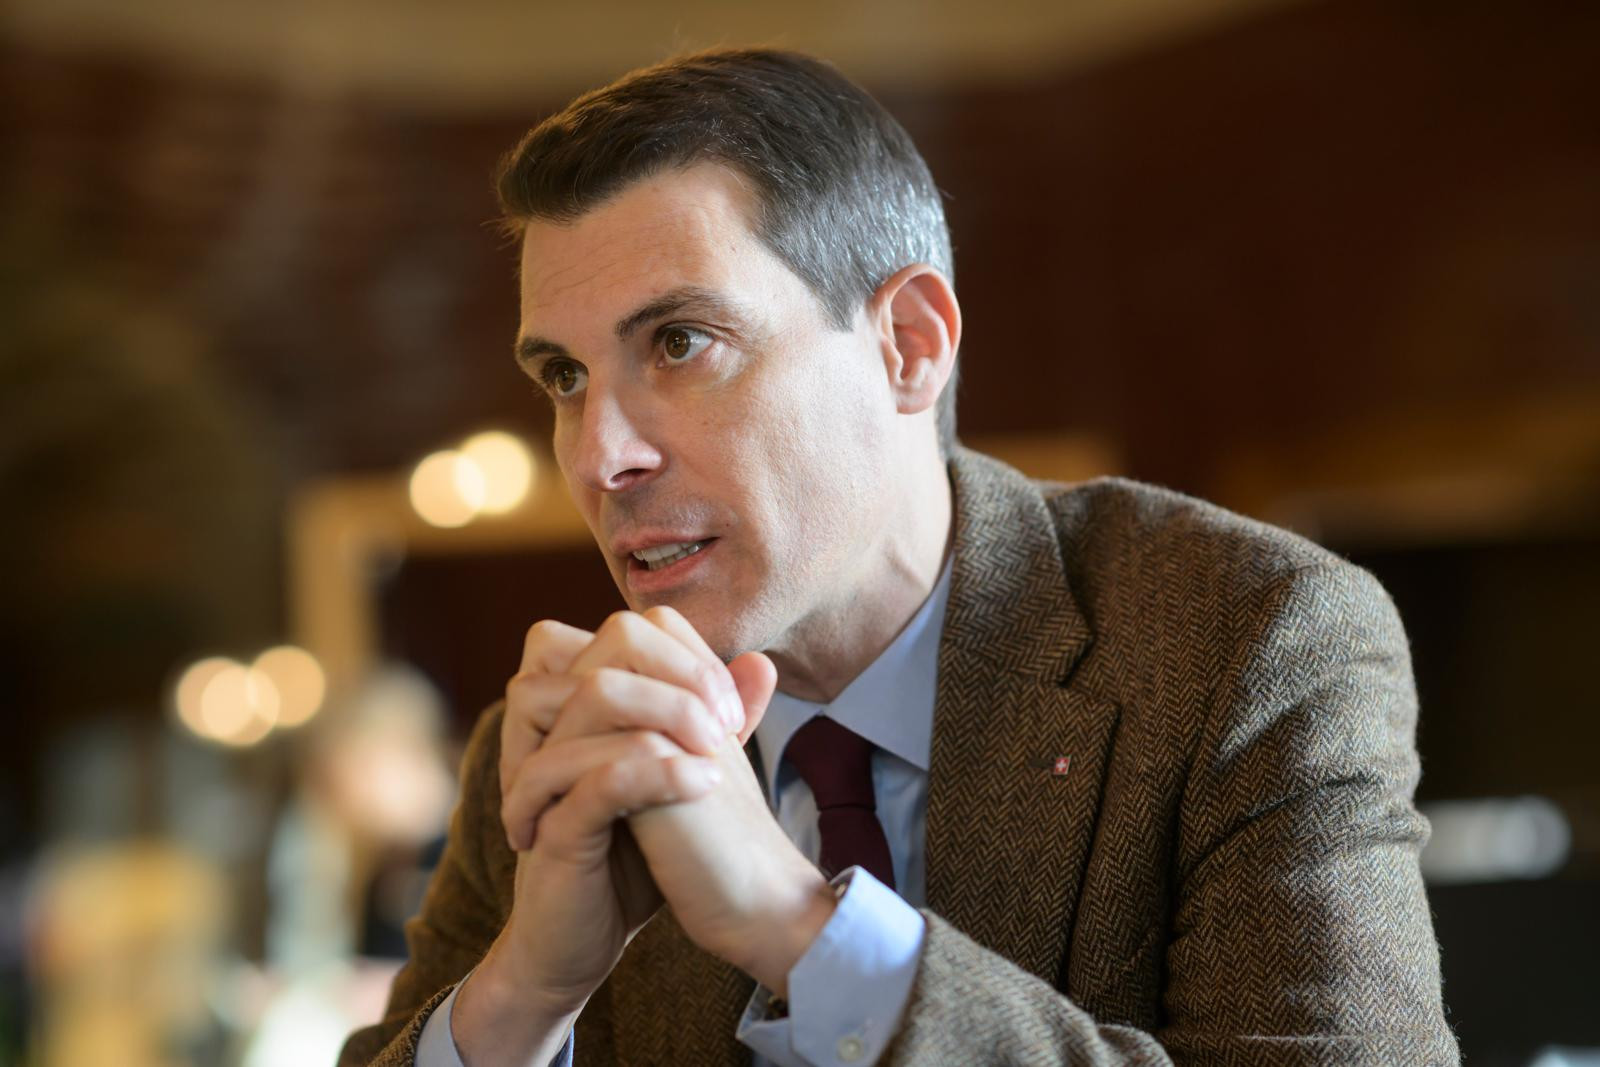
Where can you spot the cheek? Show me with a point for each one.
(562, 442)
(825, 459)
(561, 451)
(839, 424)
(798, 441)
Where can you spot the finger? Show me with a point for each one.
(610, 699)
(672, 621)
(612, 791)
(533, 704)
(756, 678)
(550, 647)
(630, 641)
(549, 773)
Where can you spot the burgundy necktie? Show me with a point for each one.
(836, 763)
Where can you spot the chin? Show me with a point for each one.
(726, 637)
(730, 633)
(709, 617)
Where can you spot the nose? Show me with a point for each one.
(607, 452)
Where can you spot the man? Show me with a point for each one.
(1144, 767)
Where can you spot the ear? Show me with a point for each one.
(919, 328)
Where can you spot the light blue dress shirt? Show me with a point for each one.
(846, 994)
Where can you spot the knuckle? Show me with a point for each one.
(527, 701)
(597, 685)
(525, 776)
(686, 706)
(648, 744)
(692, 710)
(517, 688)
(623, 621)
(613, 782)
(680, 780)
(541, 632)
(708, 678)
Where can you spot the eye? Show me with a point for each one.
(680, 344)
(562, 377)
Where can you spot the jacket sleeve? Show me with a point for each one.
(459, 918)
(1299, 928)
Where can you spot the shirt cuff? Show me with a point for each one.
(436, 1046)
(847, 993)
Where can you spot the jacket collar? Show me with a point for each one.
(1010, 606)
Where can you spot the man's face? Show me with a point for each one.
(704, 403)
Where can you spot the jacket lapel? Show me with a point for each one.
(1009, 823)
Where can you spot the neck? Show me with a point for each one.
(825, 652)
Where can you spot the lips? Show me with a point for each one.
(651, 540)
(674, 562)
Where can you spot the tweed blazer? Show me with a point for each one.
(1226, 873)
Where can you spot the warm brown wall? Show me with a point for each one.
(1331, 213)
(1342, 213)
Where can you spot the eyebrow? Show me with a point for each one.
(671, 302)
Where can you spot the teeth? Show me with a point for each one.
(664, 555)
(660, 552)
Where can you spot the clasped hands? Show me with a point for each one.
(624, 784)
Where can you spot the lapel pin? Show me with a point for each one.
(1057, 766)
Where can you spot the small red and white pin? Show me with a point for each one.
(1058, 766)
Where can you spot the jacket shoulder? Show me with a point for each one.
(1117, 520)
(1178, 588)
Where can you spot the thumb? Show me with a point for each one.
(756, 678)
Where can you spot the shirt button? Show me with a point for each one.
(851, 1049)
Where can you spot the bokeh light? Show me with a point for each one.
(1495, 840)
(238, 706)
(298, 679)
(190, 687)
(507, 468)
(448, 489)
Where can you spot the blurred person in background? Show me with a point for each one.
(349, 852)
(1094, 774)
(365, 814)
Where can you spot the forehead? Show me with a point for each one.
(685, 227)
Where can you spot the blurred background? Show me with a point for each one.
(276, 509)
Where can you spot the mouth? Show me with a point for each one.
(660, 557)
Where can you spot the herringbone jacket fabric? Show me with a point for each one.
(1226, 873)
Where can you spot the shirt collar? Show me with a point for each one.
(890, 703)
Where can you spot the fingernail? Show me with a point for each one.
(713, 773)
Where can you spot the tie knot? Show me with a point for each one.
(835, 761)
